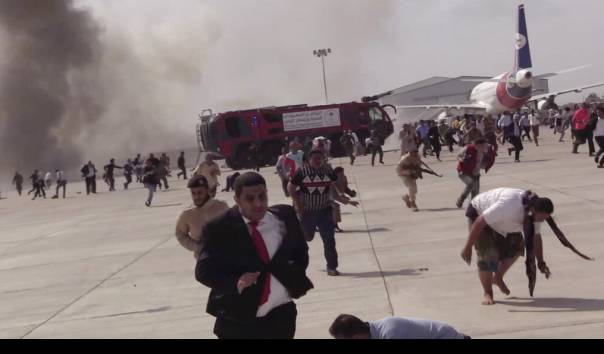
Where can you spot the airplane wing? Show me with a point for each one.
(472, 106)
(554, 94)
(545, 76)
(542, 76)
(480, 80)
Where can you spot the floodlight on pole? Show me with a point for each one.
(322, 53)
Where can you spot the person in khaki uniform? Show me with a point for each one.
(192, 221)
(409, 170)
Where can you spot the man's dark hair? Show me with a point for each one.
(544, 205)
(338, 169)
(480, 141)
(346, 326)
(248, 179)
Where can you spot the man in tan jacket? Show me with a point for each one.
(192, 221)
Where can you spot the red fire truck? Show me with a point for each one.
(230, 135)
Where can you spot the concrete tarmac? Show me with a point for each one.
(106, 266)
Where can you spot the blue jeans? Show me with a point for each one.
(152, 188)
(472, 186)
(322, 219)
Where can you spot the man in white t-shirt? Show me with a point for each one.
(497, 220)
(48, 179)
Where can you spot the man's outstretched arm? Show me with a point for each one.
(475, 231)
(538, 247)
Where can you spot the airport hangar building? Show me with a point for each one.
(436, 90)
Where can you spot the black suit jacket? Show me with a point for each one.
(228, 252)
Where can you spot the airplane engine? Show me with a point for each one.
(524, 78)
(547, 104)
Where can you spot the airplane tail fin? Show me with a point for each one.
(523, 51)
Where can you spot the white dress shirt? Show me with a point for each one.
(273, 231)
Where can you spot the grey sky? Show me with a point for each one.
(261, 50)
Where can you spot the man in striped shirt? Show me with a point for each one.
(310, 192)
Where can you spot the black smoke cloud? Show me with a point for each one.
(48, 46)
(76, 85)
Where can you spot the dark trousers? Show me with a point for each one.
(600, 141)
(517, 143)
(580, 137)
(527, 133)
(449, 141)
(19, 188)
(40, 191)
(151, 187)
(183, 172)
(128, 180)
(436, 147)
(322, 219)
(61, 184)
(111, 182)
(508, 133)
(230, 181)
(280, 323)
(163, 179)
(590, 142)
(350, 153)
(90, 185)
(284, 183)
(427, 146)
(376, 150)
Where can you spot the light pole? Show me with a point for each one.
(322, 53)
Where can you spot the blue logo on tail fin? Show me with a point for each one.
(523, 51)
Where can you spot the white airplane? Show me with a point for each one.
(514, 89)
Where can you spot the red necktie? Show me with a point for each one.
(263, 253)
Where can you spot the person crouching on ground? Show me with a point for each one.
(497, 219)
(352, 327)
